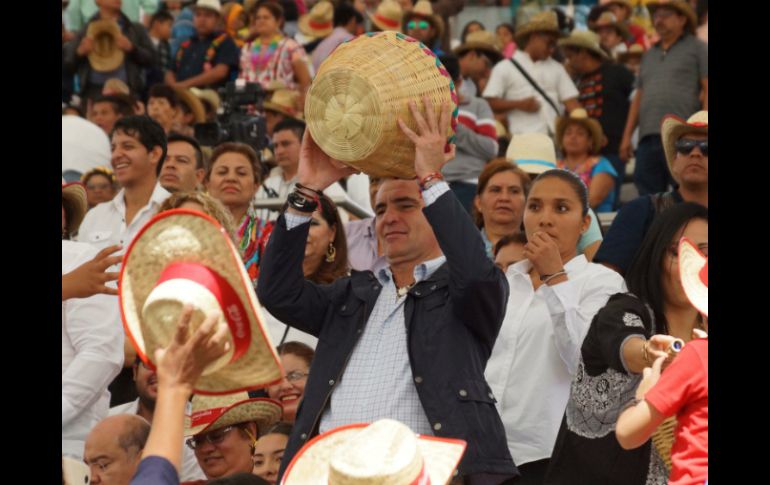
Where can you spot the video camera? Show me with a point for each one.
(235, 123)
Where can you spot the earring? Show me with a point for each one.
(331, 253)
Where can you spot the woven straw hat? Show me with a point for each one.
(213, 5)
(210, 413)
(362, 89)
(191, 100)
(681, 6)
(694, 274)
(284, 101)
(388, 16)
(183, 256)
(580, 116)
(208, 95)
(481, 40)
(75, 202)
(608, 19)
(532, 152)
(319, 22)
(423, 10)
(106, 55)
(542, 22)
(674, 127)
(636, 50)
(584, 39)
(384, 452)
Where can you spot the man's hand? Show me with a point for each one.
(86, 46)
(651, 376)
(90, 278)
(181, 363)
(543, 253)
(429, 144)
(124, 44)
(529, 105)
(626, 152)
(317, 170)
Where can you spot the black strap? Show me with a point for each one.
(535, 85)
(285, 333)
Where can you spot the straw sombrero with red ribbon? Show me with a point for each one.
(186, 257)
(694, 274)
(388, 16)
(210, 413)
(360, 92)
(384, 452)
(319, 22)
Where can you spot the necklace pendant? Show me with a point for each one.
(402, 291)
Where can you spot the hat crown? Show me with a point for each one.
(482, 37)
(606, 18)
(322, 12)
(203, 402)
(586, 36)
(423, 7)
(385, 452)
(532, 147)
(209, 4)
(578, 114)
(391, 10)
(545, 19)
(701, 118)
(285, 98)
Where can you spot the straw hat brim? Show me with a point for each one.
(305, 28)
(265, 412)
(526, 30)
(208, 95)
(310, 466)
(691, 263)
(105, 61)
(682, 7)
(193, 102)
(383, 26)
(671, 130)
(579, 44)
(75, 202)
(493, 54)
(435, 20)
(590, 124)
(188, 236)
(267, 105)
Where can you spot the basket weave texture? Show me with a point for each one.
(663, 440)
(361, 91)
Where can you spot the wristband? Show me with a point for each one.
(428, 178)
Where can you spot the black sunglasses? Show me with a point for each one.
(685, 146)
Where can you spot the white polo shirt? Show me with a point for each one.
(506, 82)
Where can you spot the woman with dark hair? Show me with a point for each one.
(554, 294)
(269, 451)
(296, 359)
(626, 336)
(470, 27)
(498, 207)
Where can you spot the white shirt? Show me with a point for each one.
(105, 224)
(83, 145)
(508, 83)
(190, 469)
(538, 348)
(91, 355)
(276, 187)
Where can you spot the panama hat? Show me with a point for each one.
(694, 274)
(208, 96)
(483, 41)
(384, 452)
(542, 22)
(319, 22)
(210, 413)
(388, 16)
(608, 19)
(580, 116)
(423, 10)
(532, 152)
(75, 202)
(213, 5)
(106, 56)
(584, 39)
(360, 92)
(284, 101)
(186, 257)
(673, 128)
(681, 6)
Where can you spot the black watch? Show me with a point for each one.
(301, 202)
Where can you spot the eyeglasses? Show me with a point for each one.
(685, 146)
(215, 437)
(422, 24)
(295, 376)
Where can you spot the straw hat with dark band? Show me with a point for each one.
(191, 101)
(681, 6)
(186, 257)
(210, 413)
(423, 10)
(543, 22)
(384, 452)
(580, 116)
(106, 55)
(673, 128)
(319, 22)
(584, 39)
(360, 92)
(75, 202)
(483, 41)
(388, 16)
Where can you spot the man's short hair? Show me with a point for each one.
(452, 65)
(293, 124)
(175, 137)
(515, 238)
(122, 104)
(164, 91)
(134, 434)
(344, 12)
(146, 130)
(161, 16)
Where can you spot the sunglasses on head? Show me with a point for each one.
(685, 146)
(422, 24)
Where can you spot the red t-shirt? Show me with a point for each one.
(683, 389)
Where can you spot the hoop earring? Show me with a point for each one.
(331, 253)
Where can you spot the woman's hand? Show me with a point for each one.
(650, 377)
(543, 252)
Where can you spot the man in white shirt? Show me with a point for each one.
(509, 92)
(138, 149)
(147, 388)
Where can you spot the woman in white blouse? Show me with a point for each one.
(554, 294)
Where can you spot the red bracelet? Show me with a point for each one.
(429, 177)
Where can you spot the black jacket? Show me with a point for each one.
(141, 57)
(452, 320)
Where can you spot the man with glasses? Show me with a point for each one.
(424, 26)
(673, 79)
(114, 449)
(685, 144)
(144, 406)
(511, 93)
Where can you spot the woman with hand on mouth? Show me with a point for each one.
(554, 294)
(233, 177)
(296, 358)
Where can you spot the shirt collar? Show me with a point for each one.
(159, 194)
(421, 271)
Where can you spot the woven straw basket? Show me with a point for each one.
(663, 440)
(362, 89)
